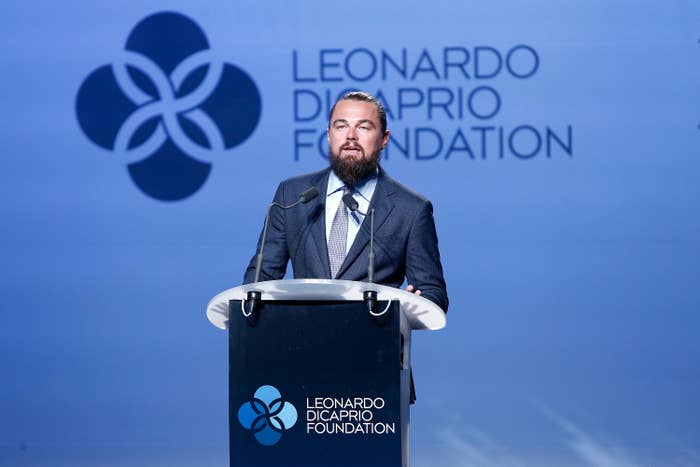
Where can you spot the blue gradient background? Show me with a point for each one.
(572, 336)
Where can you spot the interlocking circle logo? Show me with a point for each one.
(267, 415)
(167, 105)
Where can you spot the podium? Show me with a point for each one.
(315, 378)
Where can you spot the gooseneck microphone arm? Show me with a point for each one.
(370, 267)
(304, 198)
(254, 296)
(370, 296)
(352, 204)
(259, 258)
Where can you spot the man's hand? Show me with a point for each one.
(410, 288)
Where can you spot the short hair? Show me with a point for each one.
(363, 97)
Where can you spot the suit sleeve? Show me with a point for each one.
(276, 253)
(423, 266)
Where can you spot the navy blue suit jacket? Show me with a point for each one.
(405, 241)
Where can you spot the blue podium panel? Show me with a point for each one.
(315, 384)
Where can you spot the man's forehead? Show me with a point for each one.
(347, 109)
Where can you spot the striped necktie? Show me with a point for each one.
(338, 238)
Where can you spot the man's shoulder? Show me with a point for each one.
(393, 186)
(306, 180)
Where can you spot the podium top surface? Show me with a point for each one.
(420, 312)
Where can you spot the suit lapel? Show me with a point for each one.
(382, 205)
(318, 226)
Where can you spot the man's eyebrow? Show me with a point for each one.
(342, 120)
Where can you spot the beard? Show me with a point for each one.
(351, 170)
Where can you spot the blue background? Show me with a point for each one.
(572, 336)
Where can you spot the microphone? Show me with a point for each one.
(370, 296)
(352, 204)
(306, 196)
(254, 295)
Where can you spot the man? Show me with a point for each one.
(324, 240)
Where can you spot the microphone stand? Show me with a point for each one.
(369, 296)
(253, 297)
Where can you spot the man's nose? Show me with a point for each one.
(352, 134)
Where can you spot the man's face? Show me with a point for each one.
(355, 140)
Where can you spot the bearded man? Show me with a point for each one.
(324, 240)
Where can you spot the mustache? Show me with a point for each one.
(352, 145)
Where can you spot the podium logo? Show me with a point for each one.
(267, 415)
(167, 105)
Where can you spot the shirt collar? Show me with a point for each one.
(334, 184)
(365, 188)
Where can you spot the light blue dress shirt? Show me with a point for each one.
(334, 196)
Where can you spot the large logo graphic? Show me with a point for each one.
(167, 105)
(267, 415)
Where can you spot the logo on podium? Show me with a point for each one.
(267, 415)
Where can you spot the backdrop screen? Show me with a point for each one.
(558, 141)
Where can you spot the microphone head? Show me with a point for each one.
(350, 202)
(308, 194)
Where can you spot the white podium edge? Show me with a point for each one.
(421, 313)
